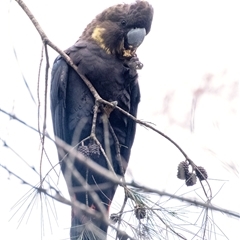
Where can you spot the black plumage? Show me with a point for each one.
(106, 55)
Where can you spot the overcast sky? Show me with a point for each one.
(191, 55)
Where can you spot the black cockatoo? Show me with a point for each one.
(105, 54)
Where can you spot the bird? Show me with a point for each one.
(105, 54)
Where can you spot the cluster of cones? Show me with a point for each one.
(191, 177)
(92, 150)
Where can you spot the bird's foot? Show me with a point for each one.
(134, 63)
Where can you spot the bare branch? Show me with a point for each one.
(116, 179)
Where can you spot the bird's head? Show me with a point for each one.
(121, 29)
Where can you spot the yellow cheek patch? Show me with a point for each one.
(129, 53)
(97, 36)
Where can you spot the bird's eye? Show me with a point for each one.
(123, 22)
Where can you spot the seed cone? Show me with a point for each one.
(201, 173)
(84, 150)
(94, 150)
(140, 211)
(183, 170)
(191, 179)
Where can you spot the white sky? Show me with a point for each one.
(189, 41)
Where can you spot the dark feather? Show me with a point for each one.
(114, 76)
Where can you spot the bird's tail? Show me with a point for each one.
(86, 231)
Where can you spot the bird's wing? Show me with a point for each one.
(131, 125)
(62, 97)
(58, 97)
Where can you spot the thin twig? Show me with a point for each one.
(94, 121)
(39, 108)
(117, 179)
(45, 111)
(13, 116)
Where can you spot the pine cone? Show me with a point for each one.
(140, 211)
(94, 150)
(191, 179)
(114, 217)
(201, 173)
(182, 170)
(84, 150)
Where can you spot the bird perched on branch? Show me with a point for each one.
(106, 55)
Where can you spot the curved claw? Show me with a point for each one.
(134, 63)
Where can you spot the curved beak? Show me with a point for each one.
(135, 37)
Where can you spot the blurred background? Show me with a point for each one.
(189, 88)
